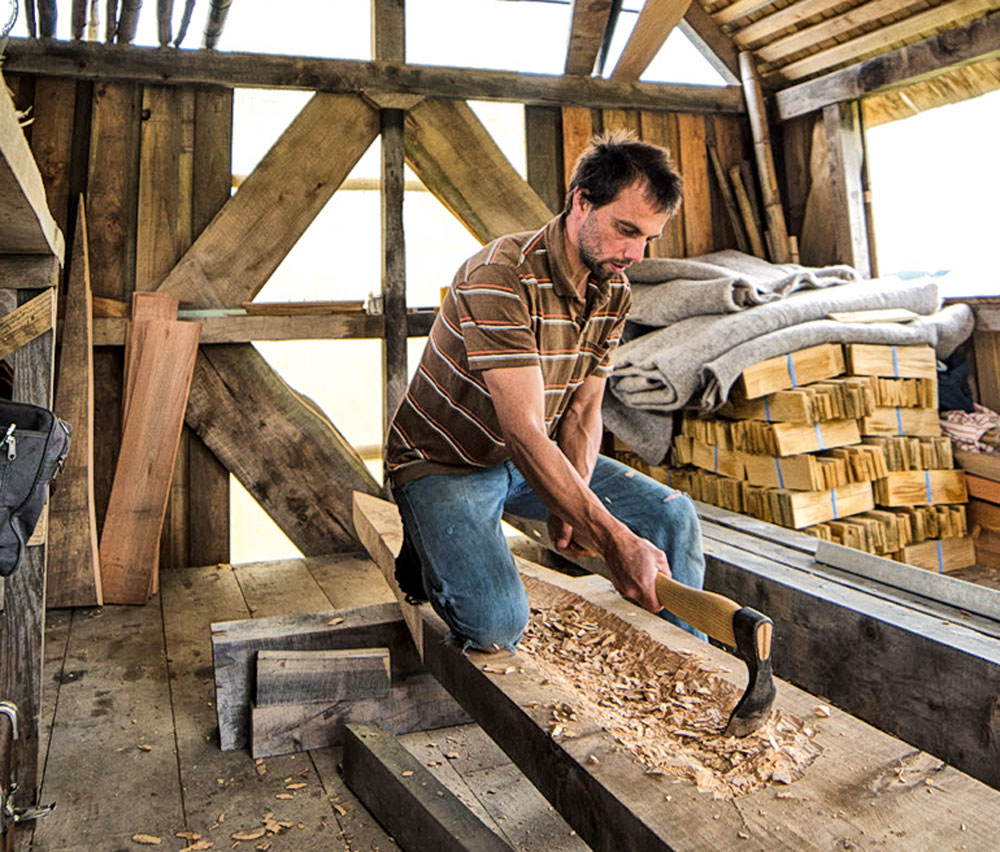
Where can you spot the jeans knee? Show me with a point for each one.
(489, 623)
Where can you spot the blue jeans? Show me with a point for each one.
(469, 574)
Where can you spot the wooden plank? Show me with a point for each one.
(870, 43)
(131, 534)
(696, 212)
(74, 577)
(577, 131)
(299, 677)
(28, 225)
(235, 645)
(28, 321)
(803, 367)
(94, 61)
(28, 271)
(980, 464)
(724, 190)
(941, 555)
(292, 460)
(114, 697)
(984, 489)
(52, 143)
(145, 307)
(611, 804)
(919, 487)
(661, 129)
(543, 144)
(868, 359)
(407, 799)
(901, 421)
(750, 223)
(656, 21)
(22, 645)
(958, 46)
(844, 158)
(458, 161)
(416, 703)
(588, 22)
(275, 204)
(349, 580)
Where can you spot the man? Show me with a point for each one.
(504, 411)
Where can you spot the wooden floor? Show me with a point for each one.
(130, 743)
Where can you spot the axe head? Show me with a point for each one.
(753, 645)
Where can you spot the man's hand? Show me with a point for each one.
(561, 534)
(634, 564)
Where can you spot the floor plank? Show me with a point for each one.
(113, 698)
(350, 580)
(280, 588)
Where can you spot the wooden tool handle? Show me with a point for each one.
(707, 611)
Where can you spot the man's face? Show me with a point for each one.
(614, 236)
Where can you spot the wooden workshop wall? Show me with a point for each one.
(556, 137)
(153, 164)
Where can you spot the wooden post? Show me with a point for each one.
(23, 628)
(765, 161)
(543, 141)
(389, 43)
(844, 158)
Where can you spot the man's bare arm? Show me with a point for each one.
(519, 400)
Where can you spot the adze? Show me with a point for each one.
(739, 627)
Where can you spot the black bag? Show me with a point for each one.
(33, 447)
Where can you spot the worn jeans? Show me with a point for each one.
(469, 574)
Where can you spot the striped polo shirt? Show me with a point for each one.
(510, 305)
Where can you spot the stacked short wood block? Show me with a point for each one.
(840, 442)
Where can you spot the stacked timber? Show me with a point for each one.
(842, 442)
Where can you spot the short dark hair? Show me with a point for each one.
(616, 160)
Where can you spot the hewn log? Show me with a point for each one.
(589, 20)
(335, 75)
(544, 147)
(128, 20)
(217, 13)
(714, 44)
(656, 21)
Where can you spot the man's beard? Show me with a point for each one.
(588, 253)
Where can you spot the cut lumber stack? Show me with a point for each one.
(842, 442)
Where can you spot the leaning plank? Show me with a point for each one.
(131, 534)
(458, 161)
(336, 75)
(74, 577)
(291, 459)
(145, 306)
(613, 804)
(976, 41)
(656, 21)
(235, 645)
(415, 703)
(419, 811)
(28, 321)
(298, 677)
(235, 255)
(28, 225)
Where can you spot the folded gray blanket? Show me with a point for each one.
(640, 414)
(665, 290)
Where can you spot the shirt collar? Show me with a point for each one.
(562, 282)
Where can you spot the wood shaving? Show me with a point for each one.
(249, 834)
(147, 839)
(187, 835)
(297, 786)
(144, 747)
(198, 846)
(667, 709)
(822, 711)
(284, 795)
(335, 621)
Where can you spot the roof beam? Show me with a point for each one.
(656, 21)
(975, 42)
(590, 20)
(714, 44)
(180, 67)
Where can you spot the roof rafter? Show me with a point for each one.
(590, 21)
(656, 21)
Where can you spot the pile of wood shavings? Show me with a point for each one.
(668, 709)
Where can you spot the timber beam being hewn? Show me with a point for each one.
(182, 67)
(975, 42)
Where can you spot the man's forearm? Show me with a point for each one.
(579, 438)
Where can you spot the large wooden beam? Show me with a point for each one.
(235, 255)
(717, 47)
(845, 156)
(588, 24)
(614, 804)
(28, 226)
(974, 42)
(175, 67)
(656, 21)
(289, 457)
(458, 161)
